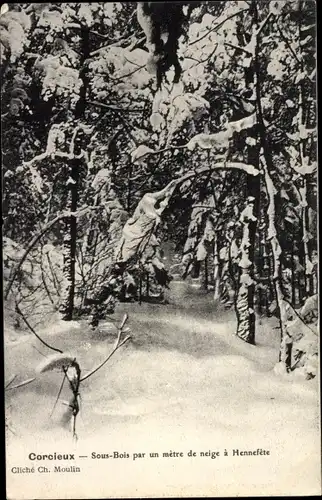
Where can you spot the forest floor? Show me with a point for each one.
(184, 382)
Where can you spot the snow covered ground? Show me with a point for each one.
(184, 384)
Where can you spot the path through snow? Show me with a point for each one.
(185, 382)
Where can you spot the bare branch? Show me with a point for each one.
(107, 359)
(10, 381)
(120, 78)
(263, 24)
(22, 384)
(34, 332)
(215, 28)
(59, 393)
(114, 107)
(117, 345)
(51, 146)
(238, 47)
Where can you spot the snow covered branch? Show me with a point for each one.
(56, 136)
(147, 215)
(219, 25)
(203, 141)
(221, 139)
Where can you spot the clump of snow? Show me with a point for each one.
(146, 24)
(306, 336)
(55, 361)
(59, 77)
(4, 9)
(14, 33)
(138, 232)
(221, 139)
(141, 151)
(102, 177)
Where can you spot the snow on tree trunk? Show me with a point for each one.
(244, 304)
(69, 246)
(305, 166)
(70, 237)
(308, 267)
(293, 283)
(286, 339)
(245, 294)
(216, 271)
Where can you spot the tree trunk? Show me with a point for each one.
(306, 250)
(301, 272)
(75, 165)
(245, 308)
(286, 339)
(293, 294)
(246, 290)
(305, 153)
(244, 303)
(206, 273)
(195, 272)
(267, 278)
(285, 352)
(216, 271)
(140, 287)
(260, 276)
(69, 245)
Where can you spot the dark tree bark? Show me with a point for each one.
(293, 276)
(246, 319)
(75, 165)
(244, 303)
(206, 273)
(286, 341)
(216, 269)
(140, 287)
(69, 244)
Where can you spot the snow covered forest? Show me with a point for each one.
(152, 148)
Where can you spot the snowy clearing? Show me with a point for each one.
(196, 386)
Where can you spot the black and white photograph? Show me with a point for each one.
(160, 249)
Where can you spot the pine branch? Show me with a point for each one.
(53, 153)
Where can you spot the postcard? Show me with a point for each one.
(160, 255)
